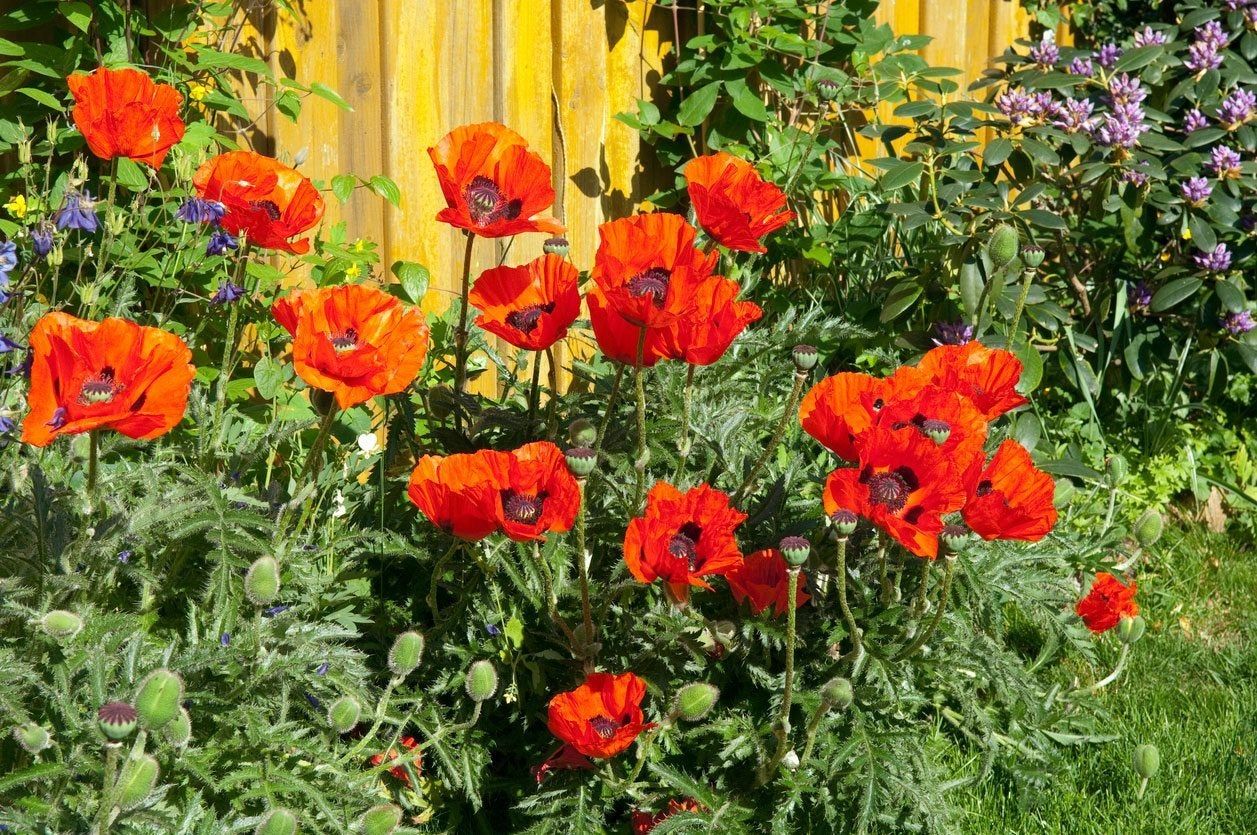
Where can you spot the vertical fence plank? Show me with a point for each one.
(360, 133)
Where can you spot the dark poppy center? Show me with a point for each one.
(486, 203)
(270, 207)
(344, 342)
(984, 487)
(604, 727)
(99, 389)
(889, 490)
(522, 509)
(684, 544)
(652, 282)
(527, 319)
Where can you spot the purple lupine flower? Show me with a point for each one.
(1140, 297)
(1074, 116)
(41, 240)
(200, 210)
(1196, 190)
(227, 293)
(78, 212)
(321, 670)
(1020, 109)
(1218, 260)
(1107, 55)
(1237, 108)
(1081, 66)
(959, 332)
(224, 639)
(1137, 176)
(1238, 323)
(1122, 127)
(274, 610)
(1150, 37)
(7, 424)
(1224, 162)
(1126, 90)
(1045, 53)
(1194, 121)
(124, 556)
(220, 241)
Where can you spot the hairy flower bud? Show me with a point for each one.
(157, 698)
(61, 624)
(582, 432)
(261, 581)
(117, 720)
(380, 820)
(344, 713)
(838, 693)
(795, 549)
(1130, 630)
(1117, 469)
(804, 357)
(1002, 247)
(277, 822)
(1148, 528)
(482, 681)
(581, 461)
(32, 737)
(137, 780)
(1146, 760)
(405, 654)
(178, 731)
(695, 700)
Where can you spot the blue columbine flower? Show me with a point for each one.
(200, 210)
(221, 241)
(41, 240)
(227, 293)
(225, 638)
(8, 263)
(78, 212)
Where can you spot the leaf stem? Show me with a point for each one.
(949, 566)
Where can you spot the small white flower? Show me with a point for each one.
(338, 505)
(368, 443)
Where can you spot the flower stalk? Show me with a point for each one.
(792, 404)
(949, 566)
(460, 336)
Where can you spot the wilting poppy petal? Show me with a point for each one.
(602, 717)
(124, 113)
(733, 203)
(987, 376)
(1010, 498)
(458, 493)
(267, 201)
(532, 306)
(762, 580)
(1107, 603)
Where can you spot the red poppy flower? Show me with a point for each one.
(733, 202)
(1107, 603)
(1010, 498)
(493, 185)
(683, 537)
(408, 744)
(265, 200)
(353, 340)
(987, 376)
(458, 493)
(124, 113)
(617, 337)
(602, 717)
(762, 580)
(531, 306)
(645, 822)
(840, 408)
(533, 491)
(113, 374)
(702, 336)
(904, 484)
(647, 267)
(948, 417)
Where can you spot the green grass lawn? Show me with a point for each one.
(1190, 689)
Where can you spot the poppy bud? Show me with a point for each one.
(178, 731)
(157, 698)
(1146, 760)
(1002, 247)
(581, 461)
(791, 760)
(380, 820)
(955, 538)
(61, 624)
(344, 713)
(557, 245)
(116, 719)
(695, 700)
(827, 89)
(1130, 630)
(1117, 469)
(261, 581)
(404, 655)
(837, 693)
(844, 522)
(582, 432)
(277, 822)
(32, 737)
(1149, 527)
(795, 549)
(1032, 256)
(482, 681)
(136, 783)
(805, 357)
(937, 430)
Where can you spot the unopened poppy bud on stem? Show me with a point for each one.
(277, 822)
(695, 700)
(482, 681)
(61, 624)
(804, 357)
(32, 737)
(795, 549)
(178, 731)
(1116, 468)
(1146, 761)
(261, 581)
(157, 698)
(380, 820)
(344, 713)
(1148, 528)
(1003, 245)
(1130, 630)
(405, 654)
(582, 432)
(136, 783)
(838, 693)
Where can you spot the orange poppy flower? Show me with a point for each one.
(682, 538)
(124, 113)
(1107, 603)
(265, 199)
(617, 337)
(840, 408)
(702, 336)
(353, 340)
(647, 267)
(458, 493)
(602, 717)
(532, 306)
(493, 185)
(113, 374)
(533, 491)
(904, 484)
(645, 822)
(734, 204)
(948, 417)
(1010, 498)
(762, 580)
(408, 744)
(987, 376)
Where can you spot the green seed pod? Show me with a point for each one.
(827, 89)
(844, 522)
(404, 655)
(482, 681)
(1032, 256)
(117, 720)
(556, 246)
(695, 700)
(277, 822)
(581, 461)
(178, 731)
(955, 538)
(157, 698)
(1130, 630)
(380, 820)
(582, 432)
(1146, 761)
(804, 357)
(939, 431)
(32, 737)
(139, 776)
(1002, 247)
(344, 714)
(837, 692)
(1149, 528)
(1117, 469)
(261, 582)
(61, 624)
(795, 549)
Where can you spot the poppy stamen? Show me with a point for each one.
(984, 487)
(522, 509)
(344, 342)
(486, 203)
(684, 544)
(527, 319)
(888, 489)
(270, 207)
(652, 282)
(604, 727)
(99, 389)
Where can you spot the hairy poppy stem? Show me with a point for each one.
(918, 602)
(460, 337)
(949, 567)
(1111, 677)
(551, 601)
(792, 404)
(320, 441)
(639, 382)
(857, 640)
(93, 444)
(782, 728)
(812, 726)
(687, 404)
(612, 402)
(582, 561)
(1026, 279)
(534, 393)
(381, 709)
(436, 577)
(552, 408)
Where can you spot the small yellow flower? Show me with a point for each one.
(198, 91)
(1165, 256)
(17, 206)
(354, 271)
(360, 245)
(1187, 233)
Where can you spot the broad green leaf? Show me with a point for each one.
(41, 97)
(698, 104)
(1175, 292)
(386, 188)
(902, 174)
(214, 59)
(130, 175)
(413, 279)
(900, 298)
(343, 186)
(321, 90)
